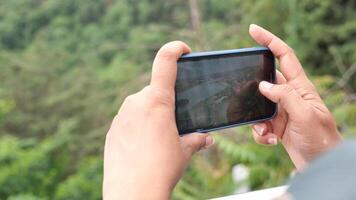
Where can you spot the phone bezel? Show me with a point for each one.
(221, 53)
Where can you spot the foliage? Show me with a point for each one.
(65, 67)
(30, 169)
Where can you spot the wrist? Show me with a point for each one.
(303, 155)
(125, 188)
(138, 194)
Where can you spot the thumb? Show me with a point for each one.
(194, 142)
(286, 96)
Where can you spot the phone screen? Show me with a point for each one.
(221, 90)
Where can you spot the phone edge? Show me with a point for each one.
(227, 52)
(232, 125)
(222, 52)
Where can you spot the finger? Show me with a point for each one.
(164, 70)
(286, 96)
(195, 142)
(267, 139)
(279, 122)
(276, 125)
(290, 65)
(260, 128)
(280, 78)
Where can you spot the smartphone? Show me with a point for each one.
(219, 89)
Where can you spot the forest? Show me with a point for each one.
(66, 66)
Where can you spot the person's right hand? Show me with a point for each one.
(303, 123)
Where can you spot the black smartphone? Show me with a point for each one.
(219, 89)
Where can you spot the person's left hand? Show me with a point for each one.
(144, 154)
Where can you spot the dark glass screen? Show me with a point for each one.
(222, 90)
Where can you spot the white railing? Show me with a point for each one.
(266, 194)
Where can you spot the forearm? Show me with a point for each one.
(136, 192)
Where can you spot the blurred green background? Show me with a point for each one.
(66, 66)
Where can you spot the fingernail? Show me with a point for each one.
(272, 140)
(259, 129)
(266, 85)
(209, 141)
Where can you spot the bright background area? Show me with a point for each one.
(66, 66)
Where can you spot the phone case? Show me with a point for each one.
(227, 52)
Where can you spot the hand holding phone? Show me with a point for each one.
(304, 125)
(143, 137)
(219, 89)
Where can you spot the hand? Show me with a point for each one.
(144, 155)
(303, 124)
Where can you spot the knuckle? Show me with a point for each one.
(167, 53)
(287, 51)
(197, 144)
(146, 90)
(177, 42)
(196, 141)
(159, 97)
(129, 99)
(171, 50)
(290, 50)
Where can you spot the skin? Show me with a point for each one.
(303, 124)
(144, 156)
